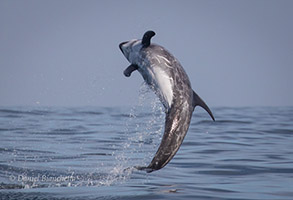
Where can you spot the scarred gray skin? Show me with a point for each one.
(148, 60)
(178, 116)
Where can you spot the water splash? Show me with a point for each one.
(137, 145)
(142, 135)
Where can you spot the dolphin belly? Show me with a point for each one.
(161, 83)
(165, 85)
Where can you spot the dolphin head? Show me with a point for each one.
(132, 49)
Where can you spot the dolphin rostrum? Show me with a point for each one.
(167, 78)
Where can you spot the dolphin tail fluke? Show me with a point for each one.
(131, 169)
(147, 169)
(197, 101)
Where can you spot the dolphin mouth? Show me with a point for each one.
(120, 46)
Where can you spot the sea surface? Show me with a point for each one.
(82, 153)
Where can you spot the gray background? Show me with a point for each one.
(65, 53)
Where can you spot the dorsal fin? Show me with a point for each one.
(197, 101)
(146, 39)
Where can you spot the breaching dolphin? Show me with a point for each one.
(167, 78)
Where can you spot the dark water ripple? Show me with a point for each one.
(81, 153)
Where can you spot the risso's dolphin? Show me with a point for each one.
(166, 77)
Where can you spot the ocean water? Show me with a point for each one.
(81, 153)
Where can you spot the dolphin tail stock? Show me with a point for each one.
(197, 101)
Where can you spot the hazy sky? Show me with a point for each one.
(65, 52)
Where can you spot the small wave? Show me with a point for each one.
(4, 186)
(241, 170)
(90, 113)
(279, 131)
(22, 111)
